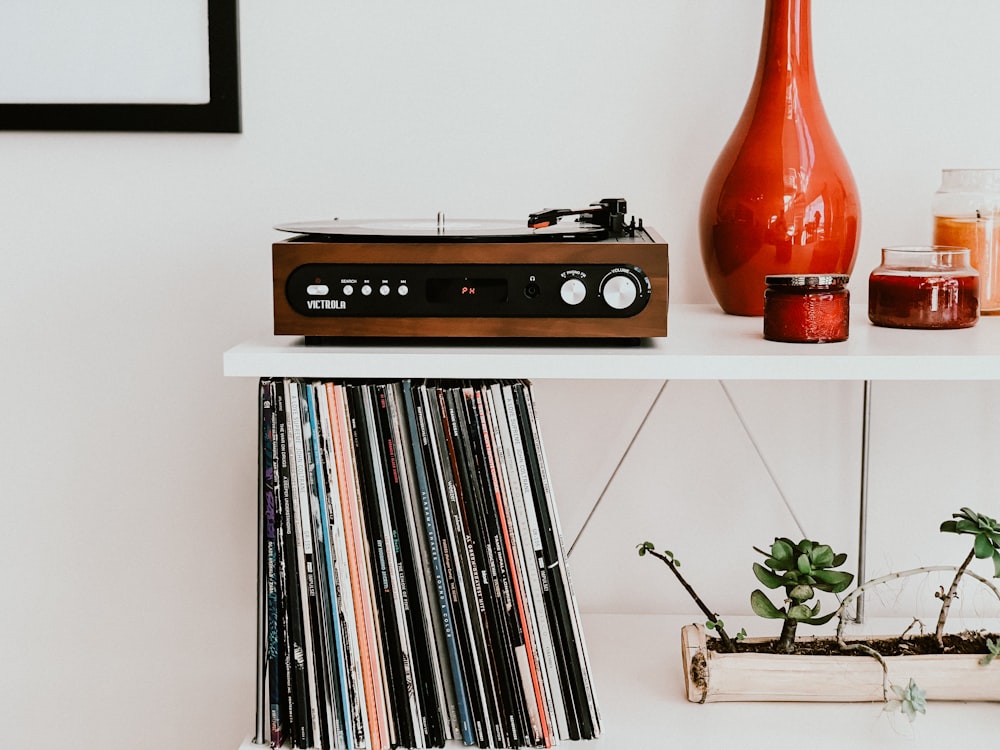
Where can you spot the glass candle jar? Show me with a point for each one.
(806, 309)
(967, 214)
(924, 287)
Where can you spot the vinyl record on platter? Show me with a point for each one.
(443, 230)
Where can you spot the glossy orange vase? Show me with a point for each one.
(781, 198)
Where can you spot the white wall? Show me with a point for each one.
(132, 261)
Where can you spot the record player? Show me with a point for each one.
(564, 274)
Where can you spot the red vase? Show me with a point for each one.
(781, 197)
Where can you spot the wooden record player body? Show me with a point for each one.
(645, 250)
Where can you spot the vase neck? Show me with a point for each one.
(786, 44)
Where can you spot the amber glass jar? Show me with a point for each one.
(924, 287)
(806, 309)
(967, 214)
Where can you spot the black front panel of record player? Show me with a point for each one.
(601, 290)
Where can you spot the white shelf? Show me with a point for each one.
(703, 344)
(640, 687)
(636, 658)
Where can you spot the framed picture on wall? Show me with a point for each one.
(120, 65)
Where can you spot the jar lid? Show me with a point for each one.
(807, 281)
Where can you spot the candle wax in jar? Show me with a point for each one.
(806, 317)
(916, 300)
(981, 235)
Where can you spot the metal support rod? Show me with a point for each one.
(866, 409)
(614, 473)
(866, 413)
(763, 459)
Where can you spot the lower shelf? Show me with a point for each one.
(640, 685)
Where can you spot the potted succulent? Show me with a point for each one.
(902, 670)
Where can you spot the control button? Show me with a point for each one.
(348, 290)
(317, 290)
(403, 290)
(366, 290)
(384, 290)
(573, 291)
(620, 292)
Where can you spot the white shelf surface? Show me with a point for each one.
(636, 658)
(640, 688)
(703, 344)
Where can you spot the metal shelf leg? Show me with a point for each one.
(866, 413)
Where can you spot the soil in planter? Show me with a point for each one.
(966, 642)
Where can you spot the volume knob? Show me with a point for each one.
(620, 292)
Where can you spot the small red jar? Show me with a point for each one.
(924, 287)
(806, 309)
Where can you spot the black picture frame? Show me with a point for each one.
(221, 114)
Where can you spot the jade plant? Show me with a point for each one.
(801, 570)
(714, 621)
(985, 544)
(985, 533)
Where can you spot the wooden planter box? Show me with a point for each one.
(711, 677)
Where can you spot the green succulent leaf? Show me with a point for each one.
(833, 581)
(994, 651)
(996, 564)
(839, 560)
(985, 522)
(821, 556)
(648, 546)
(801, 593)
(763, 607)
(801, 612)
(768, 577)
(803, 565)
(820, 620)
(969, 522)
(950, 527)
(983, 546)
(782, 554)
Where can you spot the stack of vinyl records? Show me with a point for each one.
(414, 587)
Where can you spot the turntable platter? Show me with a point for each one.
(441, 230)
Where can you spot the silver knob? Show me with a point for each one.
(620, 292)
(573, 291)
